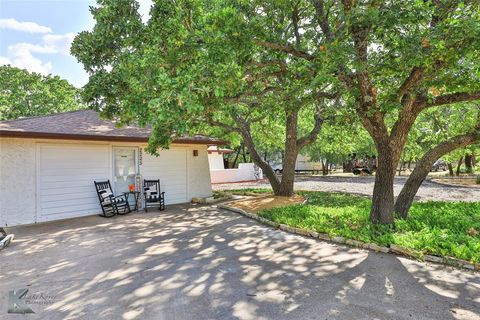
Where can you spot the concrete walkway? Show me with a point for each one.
(193, 262)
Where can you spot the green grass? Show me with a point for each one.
(438, 228)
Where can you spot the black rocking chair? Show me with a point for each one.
(153, 196)
(111, 204)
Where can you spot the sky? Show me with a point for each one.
(36, 35)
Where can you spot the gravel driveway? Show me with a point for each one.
(364, 185)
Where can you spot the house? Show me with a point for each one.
(220, 174)
(48, 165)
(302, 164)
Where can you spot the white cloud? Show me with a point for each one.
(59, 42)
(4, 61)
(21, 54)
(30, 27)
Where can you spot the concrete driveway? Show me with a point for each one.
(194, 262)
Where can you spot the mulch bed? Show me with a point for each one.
(260, 203)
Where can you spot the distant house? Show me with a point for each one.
(303, 163)
(219, 172)
(48, 165)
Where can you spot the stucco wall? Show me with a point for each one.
(18, 171)
(215, 161)
(17, 181)
(245, 172)
(198, 173)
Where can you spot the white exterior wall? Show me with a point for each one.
(17, 181)
(199, 185)
(245, 172)
(19, 166)
(303, 163)
(215, 161)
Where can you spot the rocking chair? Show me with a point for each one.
(111, 204)
(153, 196)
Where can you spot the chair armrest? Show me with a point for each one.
(110, 196)
(122, 196)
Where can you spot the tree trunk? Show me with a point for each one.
(402, 165)
(244, 154)
(293, 145)
(469, 163)
(290, 158)
(409, 190)
(324, 168)
(236, 156)
(288, 176)
(383, 199)
(450, 169)
(459, 165)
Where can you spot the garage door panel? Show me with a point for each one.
(58, 198)
(54, 191)
(65, 179)
(80, 183)
(171, 168)
(74, 173)
(81, 210)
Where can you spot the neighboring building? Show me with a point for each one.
(220, 174)
(303, 163)
(216, 159)
(48, 165)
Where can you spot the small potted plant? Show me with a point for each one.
(131, 187)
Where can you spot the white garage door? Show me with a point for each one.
(171, 168)
(65, 176)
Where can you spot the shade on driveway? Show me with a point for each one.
(194, 262)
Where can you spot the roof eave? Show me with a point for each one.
(85, 137)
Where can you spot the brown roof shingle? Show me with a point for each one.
(85, 125)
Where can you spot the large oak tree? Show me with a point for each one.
(393, 60)
(197, 66)
(242, 65)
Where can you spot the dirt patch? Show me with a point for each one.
(458, 181)
(258, 204)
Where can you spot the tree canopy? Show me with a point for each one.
(25, 94)
(281, 69)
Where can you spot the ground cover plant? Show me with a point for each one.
(434, 227)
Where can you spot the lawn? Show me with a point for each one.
(438, 228)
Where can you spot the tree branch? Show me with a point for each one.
(287, 49)
(322, 19)
(414, 78)
(312, 136)
(295, 19)
(424, 165)
(244, 129)
(227, 127)
(449, 99)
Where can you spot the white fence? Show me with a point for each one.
(245, 172)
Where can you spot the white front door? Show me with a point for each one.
(125, 168)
